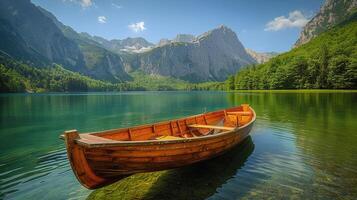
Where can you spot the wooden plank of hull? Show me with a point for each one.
(211, 127)
(157, 163)
(149, 150)
(79, 164)
(120, 167)
(243, 113)
(99, 165)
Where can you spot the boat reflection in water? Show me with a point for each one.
(196, 181)
(201, 180)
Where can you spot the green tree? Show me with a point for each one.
(230, 83)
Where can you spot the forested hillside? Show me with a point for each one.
(16, 76)
(327, 62)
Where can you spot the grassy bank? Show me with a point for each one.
(296, 91)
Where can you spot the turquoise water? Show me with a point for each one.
(303, 145)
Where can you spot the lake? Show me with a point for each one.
(303, 144)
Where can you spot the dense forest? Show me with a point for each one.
(16, 76)
(19, 77)
(327, 62)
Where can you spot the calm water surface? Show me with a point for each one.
(303, 145)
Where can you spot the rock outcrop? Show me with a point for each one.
(212, 56)
(261, 57)
(184, 38)
(187, 38)
(330, 14)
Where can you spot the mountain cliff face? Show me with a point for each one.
(330, 14)
(261, 57)
(163, 42)
(179, 38)
(131, 45)
(37, 34)
(32, 34)
(13, 45)
(138, 41)
(184, 38)
(211, 56)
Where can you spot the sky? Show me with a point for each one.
(260, 25)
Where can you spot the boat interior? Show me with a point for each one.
(209, 123)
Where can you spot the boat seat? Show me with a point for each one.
(90, 139)
(167, 137)
(211, 127)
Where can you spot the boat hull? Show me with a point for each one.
(103, 165)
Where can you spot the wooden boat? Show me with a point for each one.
(101, 158)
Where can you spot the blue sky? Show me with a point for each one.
(260, 25)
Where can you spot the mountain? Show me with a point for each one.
(211, 56)
(138, 42)
(101, 63)
(185, 57)
(187, 38)
(32, 34)
(163, 42)
(330, 14)
(184, 38)
(28, 34)
(261, 57)
(328, 61)
(16, 76)
(131, 45)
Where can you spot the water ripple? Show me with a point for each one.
(52, 163)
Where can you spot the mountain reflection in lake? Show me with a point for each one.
(201, 180)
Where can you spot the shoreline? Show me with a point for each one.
(299, 91)
(228, 91)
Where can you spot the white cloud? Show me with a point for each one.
(86, 3)
(117, 6)
(295, 20)
(83, 3)
(137, 27)
(102, 19)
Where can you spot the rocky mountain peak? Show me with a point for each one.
(223, 27)
(219, 32)
(184, 38)
(211, 56)
(163, 42)
(137, 41)
(331, 13)
(224, 40)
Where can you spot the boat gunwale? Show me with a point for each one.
(115, 143)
